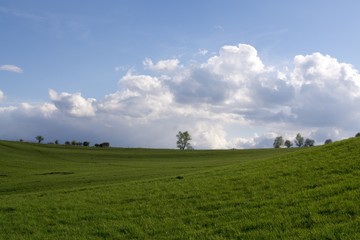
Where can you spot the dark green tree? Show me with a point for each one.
(39, 138)
(328, 141)
(104, 145)
(288, 144)
(309, 142)
(183, 140)
(278, 142)
(299, 140)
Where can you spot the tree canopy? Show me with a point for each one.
(309, 142)
(288, 144)
(278, 142)
(39, 138)
(328, 141)
(183, 140)
(299, 140)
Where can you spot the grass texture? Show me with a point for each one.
(63, 192)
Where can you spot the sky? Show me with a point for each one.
(233, 73)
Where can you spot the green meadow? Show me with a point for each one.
(64, 192)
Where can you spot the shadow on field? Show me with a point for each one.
(56, 173)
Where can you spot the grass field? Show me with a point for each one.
(58, 192)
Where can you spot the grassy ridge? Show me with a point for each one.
(163, 194)
(28, 167)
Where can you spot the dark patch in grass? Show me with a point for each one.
(351, 213)
(312, 186)
(179, 177)
(250, 227)
(3, 175)
(306, 222)
(341, 171)
(103, 235)
(56, 173)
(124, 231)
(284, 174)
(7, 209)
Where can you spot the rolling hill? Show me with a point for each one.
(61, 192)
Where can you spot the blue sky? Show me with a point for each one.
(233, 73)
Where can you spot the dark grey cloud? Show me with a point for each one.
(278, 92)
(200, 87)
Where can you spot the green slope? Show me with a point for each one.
(54, 192)
(28, 167)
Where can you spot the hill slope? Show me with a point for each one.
(248, 194)
(26, 167)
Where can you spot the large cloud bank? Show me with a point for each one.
(231, 100)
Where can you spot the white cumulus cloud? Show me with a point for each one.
(167, 65)
(202, 52)
(73, 104)
(327, 91)
(11, 68)
(237, 63)
(140, 97)
(41, 110)
(316, 95)
(208, 135)
(2, 95)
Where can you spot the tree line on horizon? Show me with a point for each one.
(184, 138)
(40, 138)
(299, 141)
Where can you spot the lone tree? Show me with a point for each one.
(299, 140)
(104, 145)
(288, 144)
(183, 139)
(309, 142)
(278, 142)
(328, 141)
(39, 138)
